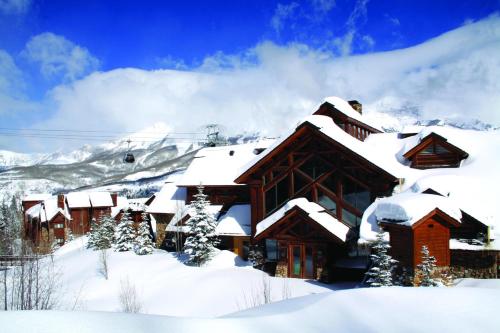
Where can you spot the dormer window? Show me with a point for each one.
(434, 151)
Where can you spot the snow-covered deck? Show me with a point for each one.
(235, 222)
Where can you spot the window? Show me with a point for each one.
(354, 194)
(271, 249)
(314, 167)
(60, 240)
(327, 202)
(350, 218)
(59, 226)
(276, 195)
(299, 182)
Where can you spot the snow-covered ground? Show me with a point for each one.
(179, 298)
(362, 310)
(168, 287)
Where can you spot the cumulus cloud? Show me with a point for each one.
(14, 6)
(270, 87)
(59, 57)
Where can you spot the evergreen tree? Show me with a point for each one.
(256, 256)
(93, 235)
(144, 242)
(426, 269)
(105, 233)
(125, 234)
(202, 239)
(380, 273)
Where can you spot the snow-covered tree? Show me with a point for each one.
(105, 232)
(380, 272)
(93, 235)
(125, 234)
(144, 242)
(256, 256)
(426, 269)
(202, 239)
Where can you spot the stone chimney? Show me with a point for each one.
(114, 197)
(356, 106)
(60, 201)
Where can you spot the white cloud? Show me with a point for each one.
(323, 6)
(59, 57)
(344, 44)
(281, 14)
(14, 6)
(269, 88)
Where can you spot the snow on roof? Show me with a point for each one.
(404, 209)
(121, 203)
(47, 210)
(100, 199)
(327, 126)
(78, 200)
(168, 200)
(235, 222)
(315, 212)
(445, 132)
(37, 197)
(220, 165)
(180, 215)
(409, 208)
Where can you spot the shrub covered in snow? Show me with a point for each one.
(144, 242)
(124, 234)
(380, 272)
(426, 269)
(203, 239)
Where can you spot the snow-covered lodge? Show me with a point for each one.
(316, 198)
(49, 219)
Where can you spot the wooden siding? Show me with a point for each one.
(222, 195)
(401, 241)
(436, 237)
(80, 220)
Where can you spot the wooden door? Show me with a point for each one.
(301, 261)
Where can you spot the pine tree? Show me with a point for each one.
(125, 234)
(426, 269)
(105, 233)
(143, 241)
(380, 273)
(93, 235)
(256, 256)
(202, 239)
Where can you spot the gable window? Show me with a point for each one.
(356, 195)
(277, 195)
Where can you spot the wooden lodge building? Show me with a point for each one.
(49, 219)
(315, 198)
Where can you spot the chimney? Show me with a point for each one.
(60, 201)
(356, 106)
(114, 197)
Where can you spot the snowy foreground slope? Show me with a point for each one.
(166, 286)
(178, 298)
(393, 309)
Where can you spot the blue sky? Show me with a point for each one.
(53, 51)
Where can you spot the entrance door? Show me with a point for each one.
(301, 262)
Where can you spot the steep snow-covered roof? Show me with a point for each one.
(78, 200)
(235, 222)
(47, 210)
(168, 200)
(100, 199)
(220, 165)
(121, 203)
(314, 211)
(327, 126)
